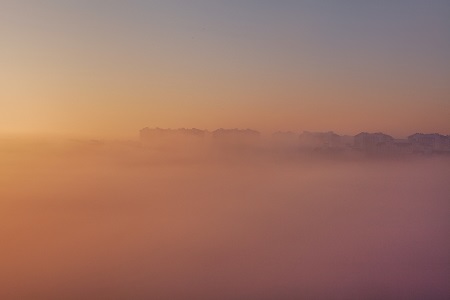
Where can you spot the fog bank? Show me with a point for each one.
(83, 220)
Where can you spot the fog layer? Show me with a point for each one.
(118, 221)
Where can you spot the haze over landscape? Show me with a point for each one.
(90, 220)
(224, 149)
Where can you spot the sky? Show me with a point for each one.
(108, 68)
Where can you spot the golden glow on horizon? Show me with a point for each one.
(103, 82)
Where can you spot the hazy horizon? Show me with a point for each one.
(94, 207)
(134, 135)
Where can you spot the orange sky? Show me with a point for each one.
(80, 69)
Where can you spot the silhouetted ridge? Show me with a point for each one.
(147, 134)
(320, 139)
(370, 141)
(425, 142)
(233, 133)
(323, 142)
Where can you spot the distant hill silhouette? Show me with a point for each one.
(377, 143)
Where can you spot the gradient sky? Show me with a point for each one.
(108, 68)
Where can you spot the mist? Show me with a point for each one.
(119, 220)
